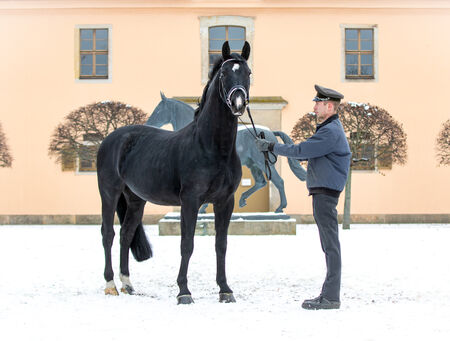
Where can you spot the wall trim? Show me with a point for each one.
(151, 219)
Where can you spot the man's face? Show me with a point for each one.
(323, 110)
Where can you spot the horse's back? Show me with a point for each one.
(142, 158)
(117, 145)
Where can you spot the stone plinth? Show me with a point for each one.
(240, 224)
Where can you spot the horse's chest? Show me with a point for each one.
(225, 182)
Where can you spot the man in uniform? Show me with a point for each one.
(328, 155)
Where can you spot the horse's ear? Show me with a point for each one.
(226, 51)
(246, 51)
(163, 97)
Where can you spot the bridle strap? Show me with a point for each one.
(267, 160)
(226, 96)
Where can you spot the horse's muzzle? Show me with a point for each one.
(238, 103)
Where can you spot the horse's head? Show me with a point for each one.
(161, 115)
(234, 79)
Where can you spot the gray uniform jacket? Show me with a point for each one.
(328, 155)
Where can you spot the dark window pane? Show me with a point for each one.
(366, 45)
(236, 44)
(351, 70)
(217, 32)
(213, 57)
(367, 34)
(216, 45)
(235, 32)
(351, 59)
(101, 59)
(351, 45)
(366, 59)
(366, 70)
(101, 70)
(86, 59)
(87, 34)
(86, 164)
(86, 45)
(101, 34)
(101, 45)
(86, 70)
(351, 34)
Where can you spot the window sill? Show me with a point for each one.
(359, 80)
(93, 80)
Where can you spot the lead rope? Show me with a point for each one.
(267, 161)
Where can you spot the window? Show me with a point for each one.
(215, 30)
(378, 156)
(219, 34)
(93, 53)
(87, 160)
(359, 53)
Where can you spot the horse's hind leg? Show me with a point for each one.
(279, 184)
(109, 202)
(133, 216)
(222, 213)
(260, 182)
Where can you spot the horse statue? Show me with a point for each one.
(187, 167)
(180, 114)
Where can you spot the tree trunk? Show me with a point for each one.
(348, 196)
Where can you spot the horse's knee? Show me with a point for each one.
(107, 236)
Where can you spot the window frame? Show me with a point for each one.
(206, 22)
(78, 52)
(359, 78)
(90, 140)
(374, 164)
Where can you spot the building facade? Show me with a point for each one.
(57, 56)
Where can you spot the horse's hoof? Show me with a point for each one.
(111, 291)
(185, 299)
(226, 298)
(127, 289)
(242, 203)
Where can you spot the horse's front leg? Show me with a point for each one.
(222, 213)
(189, 212)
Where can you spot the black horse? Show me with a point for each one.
(188, 167)
(180, 114)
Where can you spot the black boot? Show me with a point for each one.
(320, 303)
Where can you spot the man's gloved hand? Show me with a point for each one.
(264, 145)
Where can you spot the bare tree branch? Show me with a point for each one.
(90, 125)
(443, 145)
(365, 125)
(5, 156)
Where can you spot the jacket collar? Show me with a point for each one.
(328, 120)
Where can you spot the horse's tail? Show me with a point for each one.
(294, 164)
(140, 246)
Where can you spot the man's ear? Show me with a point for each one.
(330, 106)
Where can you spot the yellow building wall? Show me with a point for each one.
(158, 48)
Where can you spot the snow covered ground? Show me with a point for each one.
(395, 286)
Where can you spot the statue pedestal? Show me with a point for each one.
(240, 224)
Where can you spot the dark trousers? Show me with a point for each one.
(325, 215)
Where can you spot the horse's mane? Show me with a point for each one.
(216, 66)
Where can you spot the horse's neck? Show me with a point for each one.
(216, 126)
